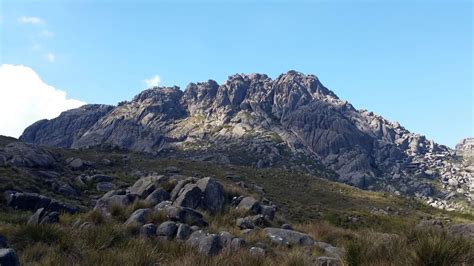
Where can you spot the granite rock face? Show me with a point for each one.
(67, 128)
(293, 122)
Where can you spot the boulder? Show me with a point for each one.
(327, 261)
(8, 257)
(237, 244)
(148, 231)
(288, 236)
(41, 216)
(116, 198)
(162, 205)
(138, 217)
(25, 155)
(287, 226)
(225, 239)
(249, 204)
(146, 185)
(167, 230)
(172, 170)
(268, 211)
(245, 223)
(257, 251)
(157, 196)
(175, 192)
(78, 164)
(184, 231)
(195, 238)
(184, 215)
(213, 194)
(190, 196)
(67, 190)
(33, 201)
(250, 222)
(209, 245)
(464, 230)
(98, 178)
(104, 186)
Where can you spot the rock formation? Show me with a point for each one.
(293, 122)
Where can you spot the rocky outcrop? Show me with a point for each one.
(67, 128)
(465, 147)
(293, 122)
(33, 202)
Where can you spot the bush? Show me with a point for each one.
(436, 247)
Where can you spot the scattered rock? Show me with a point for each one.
(225, 239)
(268, 211)
(138, 217)
(184, 215)
(184, 231)
(146, 185)
(98, 178)
(327, 261)
(287, 226)
(148, 231)
(257, 251)
(172, 170)
(209, 245)
(249, 204)
(41, 216)
(289, 236)
(157, 196)
(167, 230)
(33, 201)
(190, 196)
(213, 194)
(104, 186)
(464, 230)
(237, 243)
(8, 257)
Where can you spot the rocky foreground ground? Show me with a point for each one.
(110, 207)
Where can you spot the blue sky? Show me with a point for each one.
(409, 61)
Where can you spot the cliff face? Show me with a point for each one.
(466, 147)
(292, 122)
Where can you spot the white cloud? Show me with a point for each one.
(153, 81)
(25, 99)
(30, 20)
(46, 33)
(51, 57)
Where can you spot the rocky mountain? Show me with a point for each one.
(465, 147)
(292, 122)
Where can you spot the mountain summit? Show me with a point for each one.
(292, 122)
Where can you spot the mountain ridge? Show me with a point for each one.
(293, 122)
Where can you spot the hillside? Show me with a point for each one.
(344, 221)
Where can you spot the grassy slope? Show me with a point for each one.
(317, 206)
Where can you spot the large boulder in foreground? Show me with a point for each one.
(213, 194)
(288, 237)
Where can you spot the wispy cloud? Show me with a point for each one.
(31, 20)
(51, 57)
(46, 33)
(153, 81)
